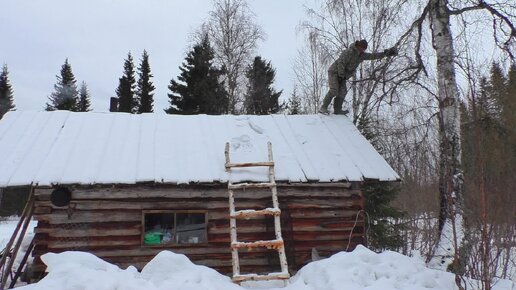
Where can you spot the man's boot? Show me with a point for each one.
(326, 102)
(337, 107)
(341, 112)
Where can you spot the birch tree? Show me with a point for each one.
(440, 13)
(235, 35)
(426, 63)
(310, 71)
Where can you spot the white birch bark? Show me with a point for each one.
(450, 171)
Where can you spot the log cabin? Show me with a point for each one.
(125, 187)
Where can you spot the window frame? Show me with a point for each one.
(175, 212)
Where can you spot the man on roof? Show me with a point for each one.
(343, 68)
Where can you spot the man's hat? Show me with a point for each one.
(361, 43)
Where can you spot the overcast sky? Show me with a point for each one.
(96, 35)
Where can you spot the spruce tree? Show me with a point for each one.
(489, 152)
(126, 87)
(509, 107)
(383, 219)
(384, 227)
(198, 89)
(261, 98)
(84, 98)
(6, 92)
(65, 95)
(145, 88)
(294, 103)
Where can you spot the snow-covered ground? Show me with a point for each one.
(7, 227)
(361, 269)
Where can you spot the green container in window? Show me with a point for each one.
(152, 238)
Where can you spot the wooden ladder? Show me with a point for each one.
(275, 211)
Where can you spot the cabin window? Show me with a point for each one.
(172, 228)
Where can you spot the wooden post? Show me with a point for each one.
(275, 204)
(23, 223)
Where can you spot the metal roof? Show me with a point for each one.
(62, 147)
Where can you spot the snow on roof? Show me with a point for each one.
(62, 147)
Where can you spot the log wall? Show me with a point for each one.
(108, 223)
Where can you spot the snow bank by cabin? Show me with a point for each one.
(62, 147)
(361, 269)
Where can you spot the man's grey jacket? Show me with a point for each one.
(344, 67)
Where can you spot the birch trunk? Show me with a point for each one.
(450, 169)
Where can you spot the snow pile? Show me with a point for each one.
(361, 269)
(167, 271)
(364, 269)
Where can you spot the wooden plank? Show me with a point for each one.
(249, 164)
(254, 213)
(269, 244)
(251, 185)
(256, 277)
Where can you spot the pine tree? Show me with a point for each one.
(145, 88)
(261, 98)
(6, 92)
(294, 103)
(65, 95)
(198, 89)
(84, 98)
(126, 86)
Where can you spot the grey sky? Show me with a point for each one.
(96, 35)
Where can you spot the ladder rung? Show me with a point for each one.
(252, 213)
(270, 244)
(256, 277)
(250, 164)
(251, 185)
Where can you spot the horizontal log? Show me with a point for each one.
(81, 233)
(219, 205)
(77, 216)
(145, 204)
(300, 242)
(42, 209)
(321, 213)
(64, 244)
(191, 192)
(249, 232)
(62, 217)
(226, 261)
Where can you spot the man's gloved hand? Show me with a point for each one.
(391, 51)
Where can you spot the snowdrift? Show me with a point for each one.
(358, 270)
